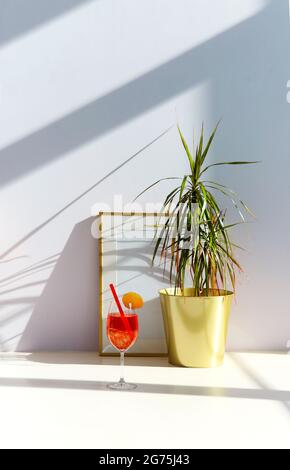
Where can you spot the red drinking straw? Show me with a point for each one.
(123, 316)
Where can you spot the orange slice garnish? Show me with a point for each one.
(132, 299)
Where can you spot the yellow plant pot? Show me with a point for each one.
(195, 327)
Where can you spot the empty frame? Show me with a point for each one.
(126, 243)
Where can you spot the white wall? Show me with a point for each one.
(84, 85)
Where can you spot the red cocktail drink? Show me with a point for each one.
(122, 332)
(122, 329)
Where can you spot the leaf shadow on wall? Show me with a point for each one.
(65, 315)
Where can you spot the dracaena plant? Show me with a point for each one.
(194, 241)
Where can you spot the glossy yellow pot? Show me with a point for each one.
(196, 327)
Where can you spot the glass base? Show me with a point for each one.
(121, 385)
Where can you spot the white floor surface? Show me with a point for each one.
(60, 400)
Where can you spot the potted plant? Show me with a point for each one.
(196, 247)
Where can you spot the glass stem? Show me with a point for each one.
(122, 366)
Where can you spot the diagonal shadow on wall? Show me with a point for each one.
(41, 226)
(213, 60)
(208, 61)
(18, 17)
